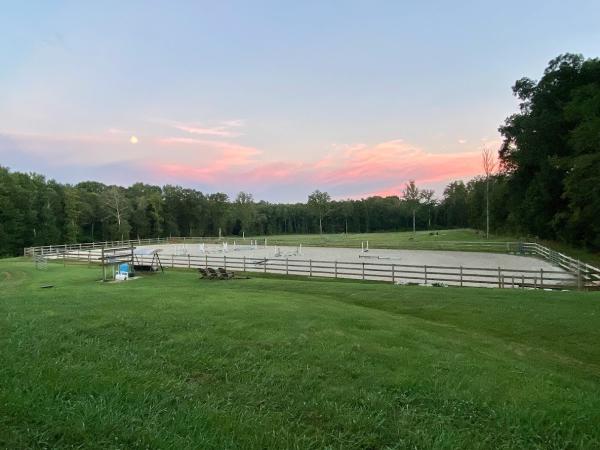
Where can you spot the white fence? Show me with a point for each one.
(587, 275)
(65, 248)
(574, 274)
(401, 273)
(500, 247)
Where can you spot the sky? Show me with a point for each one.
(273, 98)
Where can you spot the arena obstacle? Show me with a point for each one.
(296, 252)
(363, 248)
(224, 248)
(243, 247)
(181, 250)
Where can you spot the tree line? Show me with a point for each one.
(36, 211)
(547, 185)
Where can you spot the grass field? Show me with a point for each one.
(170, 361)
(402, 239)
(457, 239)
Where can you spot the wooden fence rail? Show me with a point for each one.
(575, 274)
(397, 273)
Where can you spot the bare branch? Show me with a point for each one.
(489, 161)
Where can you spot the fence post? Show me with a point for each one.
(286, 266)
(522, 281)
(265, 268)
(244, 264)
(189, 262)
(310, 267)
(224, 262)
(541, 278)
(206, 261)
(499, 277)
(425, 273)
(172, 262)
(394, 273)
(579, 279)
(335, 271)
(461, 276)
(363, 271)
(103, 265)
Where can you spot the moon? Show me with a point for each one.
(133, 139)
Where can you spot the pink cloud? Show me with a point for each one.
(279, 171)
(220, 164)
(396, 159)
(389, 163)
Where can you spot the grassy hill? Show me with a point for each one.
(455, 239)
(170, 361)
(401, 239)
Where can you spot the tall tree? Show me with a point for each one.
(244, 211)
(73, 211)
(489, 166)
(427, 195)
(217, 207)
(412, 196)
(543, 140)
(116, 208)
(454, 205)
(319, 202)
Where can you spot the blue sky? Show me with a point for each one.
(275, 98)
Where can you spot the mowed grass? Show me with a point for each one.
(171, 361)
(456, 239)
(402, 239)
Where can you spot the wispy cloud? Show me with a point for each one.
(223, 129)
(211, 131)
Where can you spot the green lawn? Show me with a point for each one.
(170, 361)
(458, 239)
(430, 240)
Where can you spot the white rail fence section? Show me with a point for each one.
(574, 274)
(500, 247)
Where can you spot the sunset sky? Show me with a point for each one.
(273, 98)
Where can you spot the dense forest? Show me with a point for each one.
(547, 185)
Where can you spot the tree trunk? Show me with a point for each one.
(487, 208)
